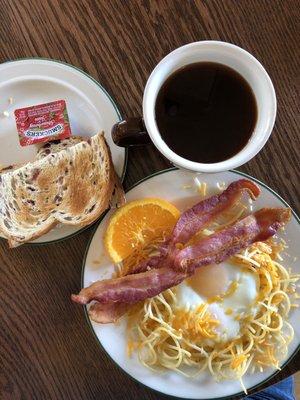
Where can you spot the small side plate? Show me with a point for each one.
(90, 107)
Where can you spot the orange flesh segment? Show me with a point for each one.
(138, 223)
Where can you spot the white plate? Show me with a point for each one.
(90, 108)
(169, 185)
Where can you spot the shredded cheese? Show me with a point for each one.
(229, 292)
(201, 186)
(238, 360)
(196, 324)
(184, 340)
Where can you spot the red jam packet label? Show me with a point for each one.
(43, 123)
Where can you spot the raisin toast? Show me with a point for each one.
(55, 146)
(71, 184)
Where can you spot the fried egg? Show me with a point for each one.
(230, 292)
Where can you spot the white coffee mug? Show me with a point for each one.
(135, 130)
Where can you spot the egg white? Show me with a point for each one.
(236, 305)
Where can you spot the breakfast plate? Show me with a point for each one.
(91, 109)
(182, 189)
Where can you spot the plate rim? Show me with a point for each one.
(114, 104)
(229, 397)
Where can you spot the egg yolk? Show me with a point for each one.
(209, 280)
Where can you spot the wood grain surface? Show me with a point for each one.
(47, 350)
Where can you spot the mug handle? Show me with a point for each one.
(130, 132)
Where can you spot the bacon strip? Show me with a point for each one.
(107, 312)
(213, 249)
(130, 288)
(218, 247)
(199, 216)
(190, 222)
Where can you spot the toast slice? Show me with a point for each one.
(71, 185)
(54, 146)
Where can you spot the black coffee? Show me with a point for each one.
(206, 112)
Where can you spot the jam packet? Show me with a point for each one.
(43, 123)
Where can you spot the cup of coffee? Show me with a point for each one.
(208, 107)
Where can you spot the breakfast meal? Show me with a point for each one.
(72, 181)
(191, 282)
(202, 291)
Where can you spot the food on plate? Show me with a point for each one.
(71, 185)
(9, 168)
(194, 220)
(138, 223)
(43, 122)
(229, 331)
(55, 146)
(179, 316)
(182, 263)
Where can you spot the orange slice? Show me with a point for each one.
(136, 224)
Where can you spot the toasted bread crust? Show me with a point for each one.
(55, 146)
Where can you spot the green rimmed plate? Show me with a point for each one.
(90, 108)
(177, 187)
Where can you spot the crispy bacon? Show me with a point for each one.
(201, 214)
(197, 217)
(130, 288)
(190, 222)
(105, 313)
(225, 243)
(213, 249)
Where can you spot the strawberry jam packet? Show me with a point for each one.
(43, 123)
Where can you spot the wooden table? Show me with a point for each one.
(47, 349)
